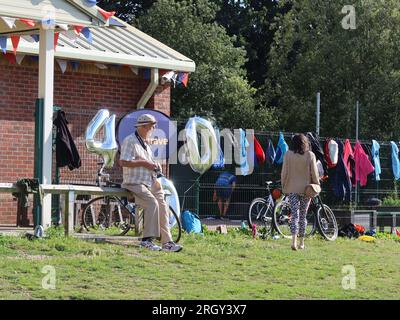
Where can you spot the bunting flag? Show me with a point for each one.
(91, 2)
(35, 37)
(183, 77)
(28, 38)
(105, 14)
(88, 35)
(75, 65)
(3, 44)
(146, 74)
(28, 22)
(63, 26)
(63, 64)
(19, 57)
(56, 35)
(15, 42)
(101, 66)
(10, 22)
(10, 57)
(78, 28)
(135, 70)
(35, 58)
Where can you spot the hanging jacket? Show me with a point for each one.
(259, 152)
(281, 149)
(66, 151)
(348, 158)
(219, 162)
(395, 160)
(317, 149)
(363, 166)
(331, 153)
(340, 178)
(270, 156)
(244, 144)
(376, 160)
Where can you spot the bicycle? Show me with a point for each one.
(105, 212)
(319, 217)
(261, 210)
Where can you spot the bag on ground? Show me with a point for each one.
(191, 222)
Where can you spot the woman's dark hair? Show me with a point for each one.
(300, 144)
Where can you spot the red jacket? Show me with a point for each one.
(363, 165)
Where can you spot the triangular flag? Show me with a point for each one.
(35, 37)
(9, 21)
(91, 2)
(88, 35)
(35, 58)
(56, 35)
(63, 26)
(71, 34)
(75, 65)
(28, 22)
(135, 70)
(10, 57)
(105, 14)
(28, 38)
(19, 57)
(63, 64)
(397, 232)
(3, 43)
(101, 66)
(183, 78)
(78, 28)
(15, 42)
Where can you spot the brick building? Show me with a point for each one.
(110, 72)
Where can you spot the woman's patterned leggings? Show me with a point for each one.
(298, 207)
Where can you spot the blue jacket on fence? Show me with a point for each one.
(395, 160)
(375, 159)
(219, 162)
(340, 179)
(270, 154)
(281, 149)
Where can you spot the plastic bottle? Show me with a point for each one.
(276, 237)
(243, 225)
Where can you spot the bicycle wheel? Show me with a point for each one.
(261, 213)
(102, 213)
(282, 219)
(327, 224)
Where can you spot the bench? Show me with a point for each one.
(70, 192)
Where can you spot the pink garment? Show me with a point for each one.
(363, 166)
(347, 153)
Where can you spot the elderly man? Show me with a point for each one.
(140, 177)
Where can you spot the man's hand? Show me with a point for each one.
(150, 165)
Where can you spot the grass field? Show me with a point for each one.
(232, 266)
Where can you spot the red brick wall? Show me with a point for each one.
(81, 94)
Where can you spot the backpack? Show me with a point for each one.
(191, 222)
(349, 231)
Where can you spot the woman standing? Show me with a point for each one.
(299, 170)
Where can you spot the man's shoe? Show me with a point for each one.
(171, 246)
(149, 245)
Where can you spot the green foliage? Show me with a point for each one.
(312, 52)
(218, 89)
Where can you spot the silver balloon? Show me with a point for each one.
(201, 163)
(107, 147)
(172, 198)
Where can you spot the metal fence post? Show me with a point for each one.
(197, 195)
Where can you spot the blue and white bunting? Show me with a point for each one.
(88, 35)
(3, 44)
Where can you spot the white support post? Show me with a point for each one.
(46, 88)
(69, 213)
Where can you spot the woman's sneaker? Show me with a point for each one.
(171, 246)
(150, 245)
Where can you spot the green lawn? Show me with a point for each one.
(215, 266)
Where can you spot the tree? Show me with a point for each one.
(218, 89)
(314, 51)
(128, 10)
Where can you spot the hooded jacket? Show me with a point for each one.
(281, 149)
(340, 178)
(317, 149)
(395, 160)
(363, 166)
(376, 160)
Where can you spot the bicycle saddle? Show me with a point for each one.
(268, 182)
